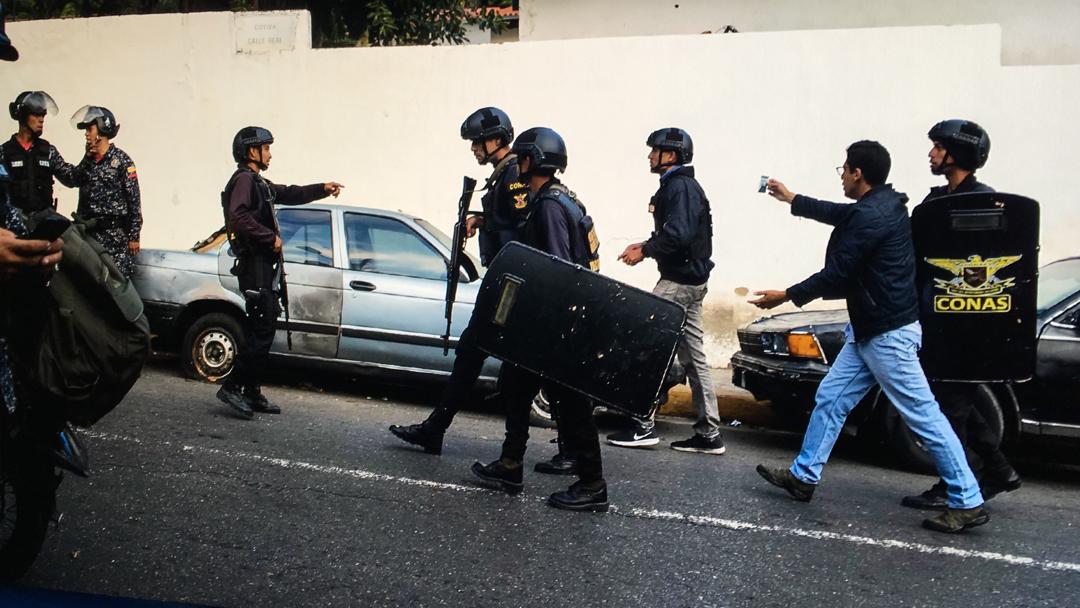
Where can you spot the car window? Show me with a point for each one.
(306, 236)
(475, 269)
(1058, 281)
(388, 246)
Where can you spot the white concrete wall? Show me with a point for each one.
(384, 121)
(1035, 32)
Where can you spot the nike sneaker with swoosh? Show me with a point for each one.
(634, 438)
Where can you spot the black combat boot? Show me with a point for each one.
(231, 394)
(560, 464)
(934, 499)
(425, 435)
(498, 475)
(258, 402)
(582, 496)
(1005, 481)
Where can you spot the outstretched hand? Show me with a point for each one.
(770, 298)
(333, 188)
(779, 191)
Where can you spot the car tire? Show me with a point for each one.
(211, 346)
(909, 451)
(540, 411)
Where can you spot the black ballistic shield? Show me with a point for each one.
(453, 276)
(604, 339)
(977, 264)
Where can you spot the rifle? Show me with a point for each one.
(468, 186)
(279, 276)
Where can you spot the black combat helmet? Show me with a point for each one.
(8, 52)
(488, 123)
(673, 139)
(249, 137)
(96, 115)
(965, 141)
(31, 103)
(544, 147)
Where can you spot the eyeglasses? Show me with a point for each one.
(840, 170)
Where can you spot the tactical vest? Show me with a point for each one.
(264, 196)
(584, 245)
(31, 175)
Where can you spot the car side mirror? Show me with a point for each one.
(1070, 321)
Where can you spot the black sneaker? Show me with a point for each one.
(558, 465)
(934, 499)
(498, 477)
(957, 520)
(578, 497)
(231, 395)
(421, 434)
(782, 478)
(634, 438)
(701, 445)
(258, 402)
(1004, 483)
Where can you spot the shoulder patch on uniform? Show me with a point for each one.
(131, 172)
(521, 200)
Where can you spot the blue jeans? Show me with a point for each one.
(890, 360)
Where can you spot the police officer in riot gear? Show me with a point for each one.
(505, 206)
(110, 203)
(681, 244)
(248, 204)
(31, 161)
(551, 226)
(960, 148)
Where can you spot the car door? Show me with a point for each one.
(1057, 375)
(393, 296)
(314, 283)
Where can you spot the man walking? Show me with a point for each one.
(681, 244)
(960, 147)
(870, 262)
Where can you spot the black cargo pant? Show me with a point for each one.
(256, 277)
(957, 401)
(577, 429)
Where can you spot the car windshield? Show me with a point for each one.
(446, 241)
(1057, 281)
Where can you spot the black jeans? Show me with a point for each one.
(468, 361)
(577, 429)
(981, 447)
(256, 278)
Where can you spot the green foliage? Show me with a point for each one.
(334, 22)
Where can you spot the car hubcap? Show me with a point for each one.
(215, 352)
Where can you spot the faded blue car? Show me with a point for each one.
(366, 295)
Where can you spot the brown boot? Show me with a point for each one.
(957, 520)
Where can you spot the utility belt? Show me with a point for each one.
(101, 223)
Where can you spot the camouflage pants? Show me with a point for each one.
(115, 243)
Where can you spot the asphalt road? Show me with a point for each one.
(321, 506)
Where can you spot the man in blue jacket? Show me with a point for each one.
(870, 262)
(681, 244)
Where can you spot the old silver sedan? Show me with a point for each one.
(366, 295)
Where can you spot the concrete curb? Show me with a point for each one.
(733, 402)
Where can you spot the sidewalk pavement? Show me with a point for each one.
(734, 403)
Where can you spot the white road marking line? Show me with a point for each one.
(698, 520)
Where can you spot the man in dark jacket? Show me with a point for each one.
(960, 147)
(870, 262)
(681, 244)
(31, 161)
(553, 227)
(248, 204)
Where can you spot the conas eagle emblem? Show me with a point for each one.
(974, 276)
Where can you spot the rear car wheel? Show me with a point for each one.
(908, 449)
(211, 346)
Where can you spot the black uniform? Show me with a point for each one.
(248, 204)
(506, 205)
(32, 172)
(552, 227)
(957, 399)
(110, 204)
